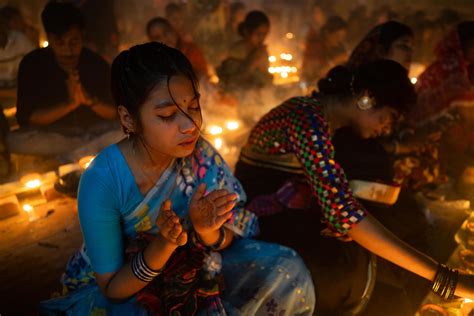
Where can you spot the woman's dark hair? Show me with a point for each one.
(333, 24)
(159, 21)
(386, 80)
(389, 32)
(60, 17)
(376, 44)
(252, 21)
(138, 70)
(466, 33)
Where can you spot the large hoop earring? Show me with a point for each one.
(365, 102)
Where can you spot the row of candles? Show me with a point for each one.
(282, 69)
(30, 191)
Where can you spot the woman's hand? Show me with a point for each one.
(169, 226)
(331, 234)
(208, 213)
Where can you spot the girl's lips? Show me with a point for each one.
(188, 142)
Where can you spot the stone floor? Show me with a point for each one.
(33, 255)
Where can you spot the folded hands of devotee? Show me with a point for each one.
(76, 92)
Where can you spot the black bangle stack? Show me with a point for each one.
(218, 244)
(445, 281)
(141, 270)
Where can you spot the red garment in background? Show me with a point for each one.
(195, 56)
(444, 83)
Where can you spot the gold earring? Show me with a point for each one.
(128, 132)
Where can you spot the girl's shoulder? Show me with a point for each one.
(106, 167)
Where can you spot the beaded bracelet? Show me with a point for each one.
(141, 270)
(217, 245)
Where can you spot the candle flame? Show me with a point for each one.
(232, 125)
(272, 59)
(215, 130)
(218, 143)
(45, 44)
(31, 181)
(33, 184)
(414, 80)
(27, 208)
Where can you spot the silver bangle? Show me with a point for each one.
(141, 270)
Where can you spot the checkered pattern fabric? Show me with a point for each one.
(298, 126)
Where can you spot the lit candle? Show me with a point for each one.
(215, 130)
(45, 44)
(232, 125)
(31, 181)
(218, 143)
(32, 216)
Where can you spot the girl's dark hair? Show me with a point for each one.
(386, 80)
(466, 33)
(252, 21)
(60, 17)
(138, 70)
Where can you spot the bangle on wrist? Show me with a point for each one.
(142, 270)
(445, 282)
(216, 246)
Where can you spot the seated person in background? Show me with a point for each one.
(16, 22)
(64, 102)
(160, 30)
(326, 50)
(237, 12)
(13, 47)
(246, 66)
(176, 14)
(445, 91)
(414, 152)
